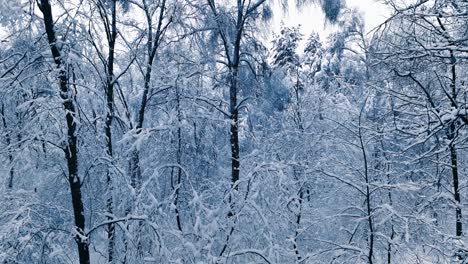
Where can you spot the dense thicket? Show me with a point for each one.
(157, 131)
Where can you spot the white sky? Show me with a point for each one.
(311, 17)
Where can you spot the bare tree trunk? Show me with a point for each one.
(453, 154)
(109, 89)
(71, 149)
(452, 133)
(298, 224)
(454, 169)
(456, 190)
(235, 149)
(232, 53)
(11, 172)
(367, 194)
(390, 201)
(152, 46)
(179, 161)
(234, 138)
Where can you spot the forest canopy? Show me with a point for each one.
(186, 131)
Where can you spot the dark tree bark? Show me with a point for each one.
(179, 161)
(298, 224)
(111, 33)
(71, 148)
(233, 53)
(234, 138)
(370, 255)
(451, 133)
(152, 48)
(11, 172)
(234, 65)
(232, 50)
(454, 156)
(152, 45)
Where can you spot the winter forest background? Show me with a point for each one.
(186, 131)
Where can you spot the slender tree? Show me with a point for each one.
(71, 143)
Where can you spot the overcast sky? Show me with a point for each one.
(311, 17)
